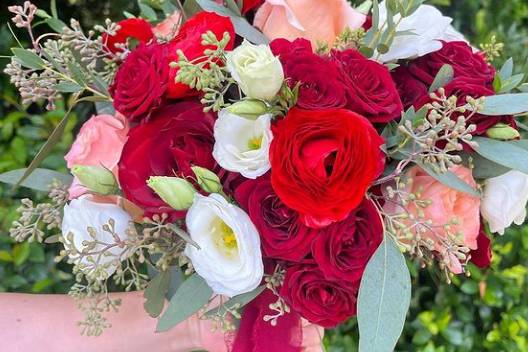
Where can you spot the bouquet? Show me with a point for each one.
(263, 163)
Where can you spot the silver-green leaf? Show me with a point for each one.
(451, 180)
(155, 293)
(505, 104)
(443, 77)
(28, 58)
(39, 179)
(237, 301)
(193, 294)
(384, 298)
(510, 154)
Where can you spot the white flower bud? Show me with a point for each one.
(96, 178)
(176, 192)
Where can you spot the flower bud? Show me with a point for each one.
(176, 192)
(207, 180)
(503, 132)
(96, 178)
(250, 109)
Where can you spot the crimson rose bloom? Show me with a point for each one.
(141, 82)
(282, 234)
(249, 5)
(320, 301)
(342, 250)
(189, 41)
(463, 87)
(177, 137)
(371, 92)
(136, 28)
(321, 84)
(481, 256)
(323, 161)
(461, 57)
(409, 87)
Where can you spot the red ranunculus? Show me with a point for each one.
(318, 300)
(177, 137)
(461, 57)
(189, 41)
(463, 87)
(282, 234)
(342, 250)
(371, 92)
(481, 256)
(141, 82)
(136, 28)
(409, 87)
(321, 84)
(323, 162)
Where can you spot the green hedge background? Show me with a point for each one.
(485, 312)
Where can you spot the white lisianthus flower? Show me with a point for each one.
(256, 70)
(229, 257)
(86, 221)
(504, 200)
(242, 145)
(429, 27)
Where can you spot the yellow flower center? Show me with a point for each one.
(255, 143)
(228, 236)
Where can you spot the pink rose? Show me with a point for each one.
(447, 205)
(99, 143)
(316, 20)
(168, 28)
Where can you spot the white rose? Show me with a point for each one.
(429, 27)
(84, 213)
(256, 70)
(504, 200)
(242, 145)
(229, 258)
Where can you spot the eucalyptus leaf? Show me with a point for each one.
(104, 107)
(28, 58)
(40, 179)
(484, 168)
(191, 296)
(190, 8)
(237, 301)
(507, 69)
(384, 298)
(451, 180)
(67, 87)
(232, 5)
(147, 12)
(510, 154)
(443, 77)
(364, 7)
(511, 83)
(56, 24)
(155, 293)
(505, 104)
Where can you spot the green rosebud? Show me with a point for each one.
(176, 192)
(207, 180)
(502, 132)
(96, 178)
(250, 109)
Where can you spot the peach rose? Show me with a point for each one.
(168, 28)
(99, 143)
(447, 205)
(316, 20)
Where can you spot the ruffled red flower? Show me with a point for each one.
(136, 28)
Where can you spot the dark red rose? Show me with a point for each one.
(189, 41)
(136, 28)
(409, 87)
(367, 24)
(371, 92)
(463, 87)
(249, 5)
(318, 300)
(342, 250)
(321, 84)
(461, 57)
(282, 234)
(177, 137)
(481, 256)
(141, 82)
(323, 161)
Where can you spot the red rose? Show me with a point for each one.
(371, 92)
(460, 55)
(481, 256)
(323, 161)
(189, 41)
(320, 301)
(409, 87)
(136, 28)
(463, 87)
(342, 250)
(249, 5)
(141, 82)
(177, 137)
(321, 85)
(282, 235)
